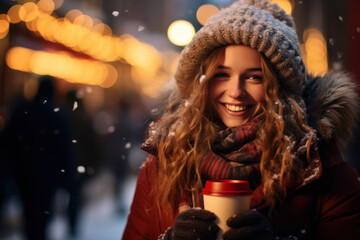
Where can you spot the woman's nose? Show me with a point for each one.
(235, 89)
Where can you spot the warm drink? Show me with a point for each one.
(226, 198)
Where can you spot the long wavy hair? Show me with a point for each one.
(187, 128)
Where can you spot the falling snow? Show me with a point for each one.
(275, 176)
(88, 89)
(128, 145)
(303, 231)
(314, 174)
(74, 141)
(115, 13)
(202, 78)
(358, 29)
(331, 41)
(62, 170)
(111, 129)
(154, 111)
(45, 101)
(339, 55)
(126, 11)
(75, 106)
(81, 169)
(140, 28)
(56, 109)
(341, 18)
(300, 2)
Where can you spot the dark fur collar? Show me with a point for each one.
(332, 106)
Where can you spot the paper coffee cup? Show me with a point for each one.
(226, 198)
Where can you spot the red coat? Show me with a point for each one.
(327, 208)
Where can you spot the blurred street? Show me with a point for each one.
(100, 217)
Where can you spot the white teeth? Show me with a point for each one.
(235, 108)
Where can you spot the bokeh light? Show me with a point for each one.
(287, 5)
(29, 12)
(4, 27)
(314, 51)
(180, 32)
(62, 65)
(13, 13)
(205, 11)
(46, 6)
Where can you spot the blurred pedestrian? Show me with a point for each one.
(37, 148)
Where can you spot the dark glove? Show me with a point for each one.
(249, 225)
(193, 224)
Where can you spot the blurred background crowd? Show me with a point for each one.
(78, 86)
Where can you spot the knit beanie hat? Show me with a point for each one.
(259, 24)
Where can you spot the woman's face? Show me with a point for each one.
(236, 89)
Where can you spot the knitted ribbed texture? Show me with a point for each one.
(258, 24)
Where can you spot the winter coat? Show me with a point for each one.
(325, 207)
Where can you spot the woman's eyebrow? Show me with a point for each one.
(254, 69)
(223, 67)
(247, 70)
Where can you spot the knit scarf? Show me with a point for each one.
(234, 155)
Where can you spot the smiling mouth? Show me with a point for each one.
(236, 108)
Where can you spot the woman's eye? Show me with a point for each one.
(221, 75)
(256, 78)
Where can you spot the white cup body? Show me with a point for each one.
(226, 206)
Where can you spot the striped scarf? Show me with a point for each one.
(234, 155)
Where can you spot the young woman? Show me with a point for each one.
(245, 108)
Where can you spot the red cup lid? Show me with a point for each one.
(227, 187)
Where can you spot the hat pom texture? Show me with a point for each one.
(258, 24)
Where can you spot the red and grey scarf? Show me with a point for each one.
(234, 155)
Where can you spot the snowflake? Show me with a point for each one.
(75, 106)
(128, 145)
(81, 169)
(140, 28)
(111, 129)
(201, 79)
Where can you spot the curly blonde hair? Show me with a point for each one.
(186, 131)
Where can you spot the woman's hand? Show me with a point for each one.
(193, 224)
(249, 225)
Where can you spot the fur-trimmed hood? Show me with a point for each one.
(332, 104)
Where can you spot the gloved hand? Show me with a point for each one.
(193, 224)
(249, 225)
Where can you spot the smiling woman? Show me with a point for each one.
(236, 89)
(245, 108)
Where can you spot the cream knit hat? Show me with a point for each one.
(258, 24)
